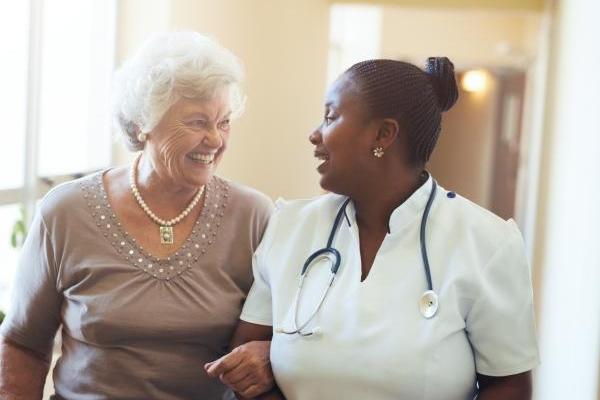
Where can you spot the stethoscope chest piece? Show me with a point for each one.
(428, 304)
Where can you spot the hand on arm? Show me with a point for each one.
(511, 387)
(22, 372)
(247, 368)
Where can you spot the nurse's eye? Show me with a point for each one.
(224, 125)
(328, 119)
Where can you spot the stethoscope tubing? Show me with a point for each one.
(422, 236)
(335, 257)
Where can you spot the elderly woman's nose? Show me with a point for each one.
(213, 137)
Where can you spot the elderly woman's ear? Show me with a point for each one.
(141, 136)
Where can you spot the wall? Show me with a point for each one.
(131, 32)
(531, 5)
(471, 38)
(463, 159)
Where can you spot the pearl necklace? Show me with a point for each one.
(166, 226)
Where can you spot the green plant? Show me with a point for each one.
(19, 230)
(17, 237)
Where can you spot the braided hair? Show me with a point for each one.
(413, 97)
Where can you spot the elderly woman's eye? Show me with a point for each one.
(197, 123)
(225, 125)
(328, 119)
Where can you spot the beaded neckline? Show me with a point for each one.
(199, 241)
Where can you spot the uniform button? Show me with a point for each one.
(451, 195)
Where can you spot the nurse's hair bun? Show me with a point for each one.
(441, 71)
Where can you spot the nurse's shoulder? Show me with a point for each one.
(474, 223)
(300, 219)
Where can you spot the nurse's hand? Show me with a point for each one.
(513, 387)
(246, 369)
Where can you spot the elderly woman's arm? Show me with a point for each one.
(247, 368)
(22, 372)
(512, 387)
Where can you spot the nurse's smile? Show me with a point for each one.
(323, 158)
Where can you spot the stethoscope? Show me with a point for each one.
(428, 303)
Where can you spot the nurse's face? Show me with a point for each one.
(344, 140)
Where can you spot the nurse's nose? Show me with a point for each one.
(316, 137)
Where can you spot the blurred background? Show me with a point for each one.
(523, 140)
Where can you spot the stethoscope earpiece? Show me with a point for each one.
(317, 331)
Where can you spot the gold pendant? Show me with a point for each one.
(166, 235)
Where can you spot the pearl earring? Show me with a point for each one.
(142, 137)
(378, 152)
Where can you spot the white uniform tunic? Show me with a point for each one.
(375, 344)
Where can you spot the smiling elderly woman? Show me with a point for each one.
(145, 266)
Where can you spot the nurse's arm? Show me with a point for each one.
(22, 372)
(511, 387)
(247, 368)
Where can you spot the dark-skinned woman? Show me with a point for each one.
(419, 293)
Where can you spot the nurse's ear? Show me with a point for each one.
(388, 132)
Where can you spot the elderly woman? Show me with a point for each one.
(390, 287)
(145, 266)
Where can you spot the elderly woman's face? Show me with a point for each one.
(188, 142)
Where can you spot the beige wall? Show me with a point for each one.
(284, 45)
(464, 156)
(132, 29)
(531, 5)
(471, 38)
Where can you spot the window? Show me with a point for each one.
(77, 58)
(13, 80)
(58, 57)
(354, 35)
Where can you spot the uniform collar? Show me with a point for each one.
(405, 212)
(412, 207)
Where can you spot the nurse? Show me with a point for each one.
(432, 298)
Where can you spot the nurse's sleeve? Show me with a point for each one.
(501, 323)
(34, 315)
(258, 306)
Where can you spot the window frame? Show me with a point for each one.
(34, 185)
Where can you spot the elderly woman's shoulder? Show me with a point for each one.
(245, 197)
(69, 197)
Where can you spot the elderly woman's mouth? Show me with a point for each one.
(201, 158)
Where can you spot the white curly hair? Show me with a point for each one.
(167, 67)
